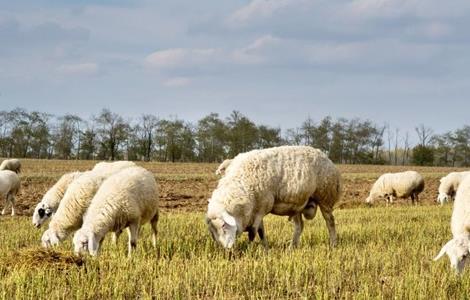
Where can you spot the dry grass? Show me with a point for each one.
(382, 253)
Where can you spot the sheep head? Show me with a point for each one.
(50, 238)
(458, 252)
(222, 226)
(442, 198)
(42, 212)
(85, 241)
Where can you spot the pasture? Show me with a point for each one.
(383, 251)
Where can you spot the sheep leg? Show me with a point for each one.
(12, 201)
(262, 235)
(330, 224)
(116, 235)
(133, 231)
(298, 228)
(251, 234)
(153, 223)
(6, 205)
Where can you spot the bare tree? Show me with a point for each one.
(397, 134)
(424, 134)
(406, 148)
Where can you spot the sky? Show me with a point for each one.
(401, 62)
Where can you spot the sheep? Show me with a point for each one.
(400, 185)
(11, 164)
(223, 166)
(76, 200)
(9, 187)
(458, 249)
(126, 199)
(287, 181)
(51, 200)
(112, 166)
(449, 185)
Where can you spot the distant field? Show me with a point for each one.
(383, 252)
(187, 186)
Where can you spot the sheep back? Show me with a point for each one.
(129, 195)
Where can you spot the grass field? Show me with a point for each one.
(383, 252)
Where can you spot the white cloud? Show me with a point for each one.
(180, 57)
(78, 69)
(254, 53)
(259, 9)
(177, 82)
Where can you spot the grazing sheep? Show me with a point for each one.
(51, 200)
(76, 200)
(287, 181)
(400, 185)
(223, 166)
(457, 249)
(449, 185)
(126, 199)
(11, 164)
(9, 188)
(112, 166)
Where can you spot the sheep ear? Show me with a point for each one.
(230, 220)
(93, 245)
(443, 251)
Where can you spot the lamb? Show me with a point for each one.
(9, 188)
(400, 185)
(458, 249)
(223, 166)
(449, 185)
(76, 200)
(11, 164)
(287, 181)
(126, 199)
(51, 200)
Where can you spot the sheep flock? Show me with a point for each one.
(290, 181)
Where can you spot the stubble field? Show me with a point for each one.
(383, 251)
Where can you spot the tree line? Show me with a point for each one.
(110, 136)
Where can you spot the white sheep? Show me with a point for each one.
(51, 200)
(112, 167)
(76, 200)
(9, 187)
(223, 166)
(458, 249)
(11, 164)
(448, 186)
(399, 185)
(287, 181)
(126, 199)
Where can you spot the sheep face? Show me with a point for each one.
(458, 252)
(223, 229)
(42, 212)
(442, 198)
(373, 197)
(49, 238)
(84, 241)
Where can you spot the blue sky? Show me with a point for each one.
(402, 62)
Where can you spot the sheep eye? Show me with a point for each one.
(41, 212)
